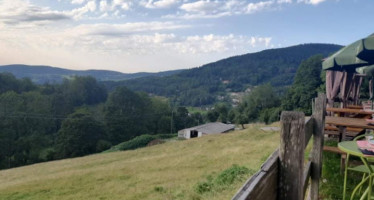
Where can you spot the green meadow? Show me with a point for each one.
(211, 167)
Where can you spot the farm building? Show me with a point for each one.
(205, 129)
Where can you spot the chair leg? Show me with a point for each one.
(345, 176)
(370, 187)
(363, 177)
(359, 186)
(342, 163)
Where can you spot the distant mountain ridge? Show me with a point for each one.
(213, 82)
(41, 74)
(204, 85)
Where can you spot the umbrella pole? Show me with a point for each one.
(372, 91)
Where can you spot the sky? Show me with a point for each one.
(158, 35)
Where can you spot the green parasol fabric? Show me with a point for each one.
(366, 49)
(367, 70)
(357, 54)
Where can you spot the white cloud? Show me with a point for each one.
(198, 15)
(216, 9)
(313, 2)
(202, 6)
(91, 6)
(284, 1)
(157, 43)
(78, 1)
(120, 30)
(114, 5)
(212, 43)
(260, 41)
(148, 44)
(78, 13)
(104, 6)
(141, 44)
(159, 3)
(233, 3)
(124, 5)
(14, 12)
(259, 6)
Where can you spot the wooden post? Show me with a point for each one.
(318, 134)
(291, 156)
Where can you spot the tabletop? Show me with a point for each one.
(354, 106)
(348, 122)
(350, 110)
(351, 147)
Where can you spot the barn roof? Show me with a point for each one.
(215, 127)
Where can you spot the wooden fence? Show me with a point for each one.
(286, 175)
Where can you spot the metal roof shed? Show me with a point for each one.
(205, 129)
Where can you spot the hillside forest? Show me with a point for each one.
(212, 82)
(79, 116)
(75, 118)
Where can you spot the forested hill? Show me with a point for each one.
(43, 74)
(208, 83)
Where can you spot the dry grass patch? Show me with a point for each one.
(167, 171)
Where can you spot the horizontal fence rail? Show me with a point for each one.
(263, 183)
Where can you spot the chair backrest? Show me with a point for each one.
(362, 136)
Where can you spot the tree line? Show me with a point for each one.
(263, 104)
(78, 117)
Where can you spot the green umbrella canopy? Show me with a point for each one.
(367, 70)
(357, 54)
(366, 49)
(345, 59)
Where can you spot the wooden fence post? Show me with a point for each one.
(291, 156)
(318, 134)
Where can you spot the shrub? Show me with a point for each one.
(102, 145)
(232, 174)
(204, 187)
(270, 115)
(159, 189)
(138, 142)
(224, 179)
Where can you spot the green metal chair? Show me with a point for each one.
(366, 173)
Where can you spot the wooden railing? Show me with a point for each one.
(286, 175)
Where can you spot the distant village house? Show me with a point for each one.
(205, 129)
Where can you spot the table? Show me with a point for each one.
(343, 122)
(347, 121)
(354, 106)
(351, 148)
(343, 111)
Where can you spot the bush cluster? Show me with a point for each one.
(139, 141)
(224, 179)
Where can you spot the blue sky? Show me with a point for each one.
(159, 35)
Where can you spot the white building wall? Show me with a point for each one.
(185, 133)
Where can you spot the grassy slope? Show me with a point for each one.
(175, 166)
